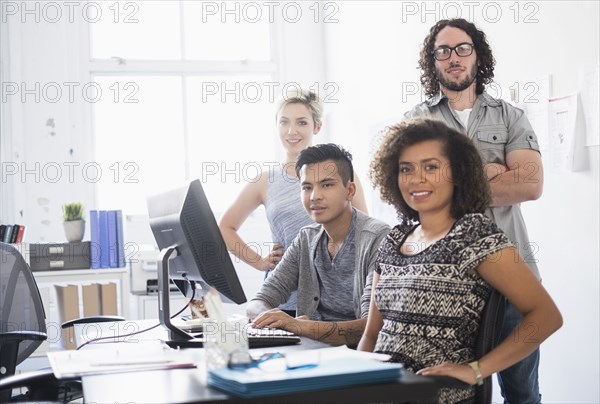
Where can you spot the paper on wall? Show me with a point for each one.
(589, 89)
(534, 101)
(567, 145)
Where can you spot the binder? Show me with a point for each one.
(104, 240)
(8, 233)
(120, 241)
(330, 374)
(2, 232)
(112, 238)
(21, 234)
(95, 245)
(15, 231)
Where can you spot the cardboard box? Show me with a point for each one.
(68, 309)
(108, 296)
(92, 304)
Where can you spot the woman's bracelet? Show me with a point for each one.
(478, 377)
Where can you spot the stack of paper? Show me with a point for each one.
(328, 374)
(66, 364)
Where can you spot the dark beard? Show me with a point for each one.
(460, 86)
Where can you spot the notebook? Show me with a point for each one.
(329, 374)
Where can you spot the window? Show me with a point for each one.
(184, 95)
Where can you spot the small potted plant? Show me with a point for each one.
(74, 223)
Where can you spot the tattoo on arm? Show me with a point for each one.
(352, 335)
(330, 332)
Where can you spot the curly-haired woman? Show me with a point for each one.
(437, 268)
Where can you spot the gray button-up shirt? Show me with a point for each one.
(496, 128)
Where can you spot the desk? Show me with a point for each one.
(189, 385)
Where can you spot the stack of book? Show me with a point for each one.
(11, 233)
(107, 244)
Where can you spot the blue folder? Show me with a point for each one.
(104, 240)
(95, 246)
(112, 239)
(334, 373)
(120, 242)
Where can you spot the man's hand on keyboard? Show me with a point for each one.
(331, 332)
(276, 318)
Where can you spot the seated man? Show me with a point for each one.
(330, 262)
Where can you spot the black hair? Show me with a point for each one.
(471, 189)
(324, 152)
(485, 59)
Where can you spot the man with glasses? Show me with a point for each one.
(456, 63)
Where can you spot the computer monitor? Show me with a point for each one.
(192, 249)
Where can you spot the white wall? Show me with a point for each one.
(47, 139)
(372, 54)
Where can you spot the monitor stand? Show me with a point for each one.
(177, 337)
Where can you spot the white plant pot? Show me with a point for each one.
(74, 230)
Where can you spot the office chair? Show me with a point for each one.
(22, 331)
(490, 326)
(22, 317)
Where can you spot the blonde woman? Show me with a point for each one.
(299, 119)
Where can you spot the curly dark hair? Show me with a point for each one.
(471, 188)
(485, 59)
(322, 152)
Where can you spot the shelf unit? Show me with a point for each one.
(47, 280)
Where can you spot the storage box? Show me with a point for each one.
(108, 295)
(92, 305)
(68, 307)
(52, 256)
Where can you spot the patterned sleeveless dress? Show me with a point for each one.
(431, 302)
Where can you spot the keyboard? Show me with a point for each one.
(265, 337)
(257, 337)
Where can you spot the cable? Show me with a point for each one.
(141, 331)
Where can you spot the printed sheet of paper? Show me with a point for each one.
(566, 143)
(589, 89)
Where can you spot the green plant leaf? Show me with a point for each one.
(72, 211)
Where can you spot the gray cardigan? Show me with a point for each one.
(297, 269)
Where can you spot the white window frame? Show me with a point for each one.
(184, 69)
(298, 55)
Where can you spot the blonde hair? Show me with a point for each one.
(297, 95)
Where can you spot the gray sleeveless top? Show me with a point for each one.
(285, 213)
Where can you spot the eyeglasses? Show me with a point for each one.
(444, 52)
(270, 362)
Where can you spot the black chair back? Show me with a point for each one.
(489, 333)
(22, 317)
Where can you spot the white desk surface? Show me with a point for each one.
(189, 385)
(118, 331)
